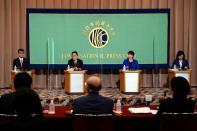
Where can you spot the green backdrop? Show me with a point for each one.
(52, 37)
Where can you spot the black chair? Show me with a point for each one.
(6, 119)
(178, 122)
(13, 122)
(89, 122)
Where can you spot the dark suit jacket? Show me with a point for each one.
(7, 103)
(173, 106)
(185, 64)
(93, 103)
(16, 62)
(23, 100)
(79, 63)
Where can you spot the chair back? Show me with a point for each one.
(178, 122)
(6, 119)
(90, 122)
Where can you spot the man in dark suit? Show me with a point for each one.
(93, 103)
(74, 62)
(21, 62)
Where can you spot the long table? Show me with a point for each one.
(125, 122)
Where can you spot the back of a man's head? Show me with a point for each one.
(180, 87)
(21, 80)
(93, 84)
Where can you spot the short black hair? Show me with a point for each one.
(22, 79)
(75, 52)
(131, 52)
(180, 87)
(20, 49)
(179, 53)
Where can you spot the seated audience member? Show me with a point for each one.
(179, 103)
(21, 81)
(29, 112)
(25, 103)
(93, 103)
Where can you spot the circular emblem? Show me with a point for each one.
(98, 37)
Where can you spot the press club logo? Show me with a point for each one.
(98, 33)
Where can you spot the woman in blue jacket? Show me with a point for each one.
(130, 63)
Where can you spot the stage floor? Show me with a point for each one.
(114, 93)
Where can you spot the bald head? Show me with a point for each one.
(93, 83)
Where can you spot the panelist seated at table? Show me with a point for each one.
(93, 103)
(179, 103)
(21, 62)
(180, 62)
(74, 62)
(130, 63)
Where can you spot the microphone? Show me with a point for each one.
(164, 94)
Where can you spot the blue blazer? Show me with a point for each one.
(185, 64)
(132, 66)
(93, 103)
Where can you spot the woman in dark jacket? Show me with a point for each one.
(180, 62)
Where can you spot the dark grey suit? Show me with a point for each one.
(93, 103)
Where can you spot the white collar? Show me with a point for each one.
(20, 58)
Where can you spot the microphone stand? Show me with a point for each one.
(155, 71)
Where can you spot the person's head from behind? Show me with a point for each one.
(22, 80)
(21, 52)
(130, 55)
(180, 87)
(93, 84)
(180, 55)
(74, 55)
(27, 103)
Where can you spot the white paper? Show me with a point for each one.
(154, 111)
(140, 110)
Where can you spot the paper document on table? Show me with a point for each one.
(154, 111)
(140, 110)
